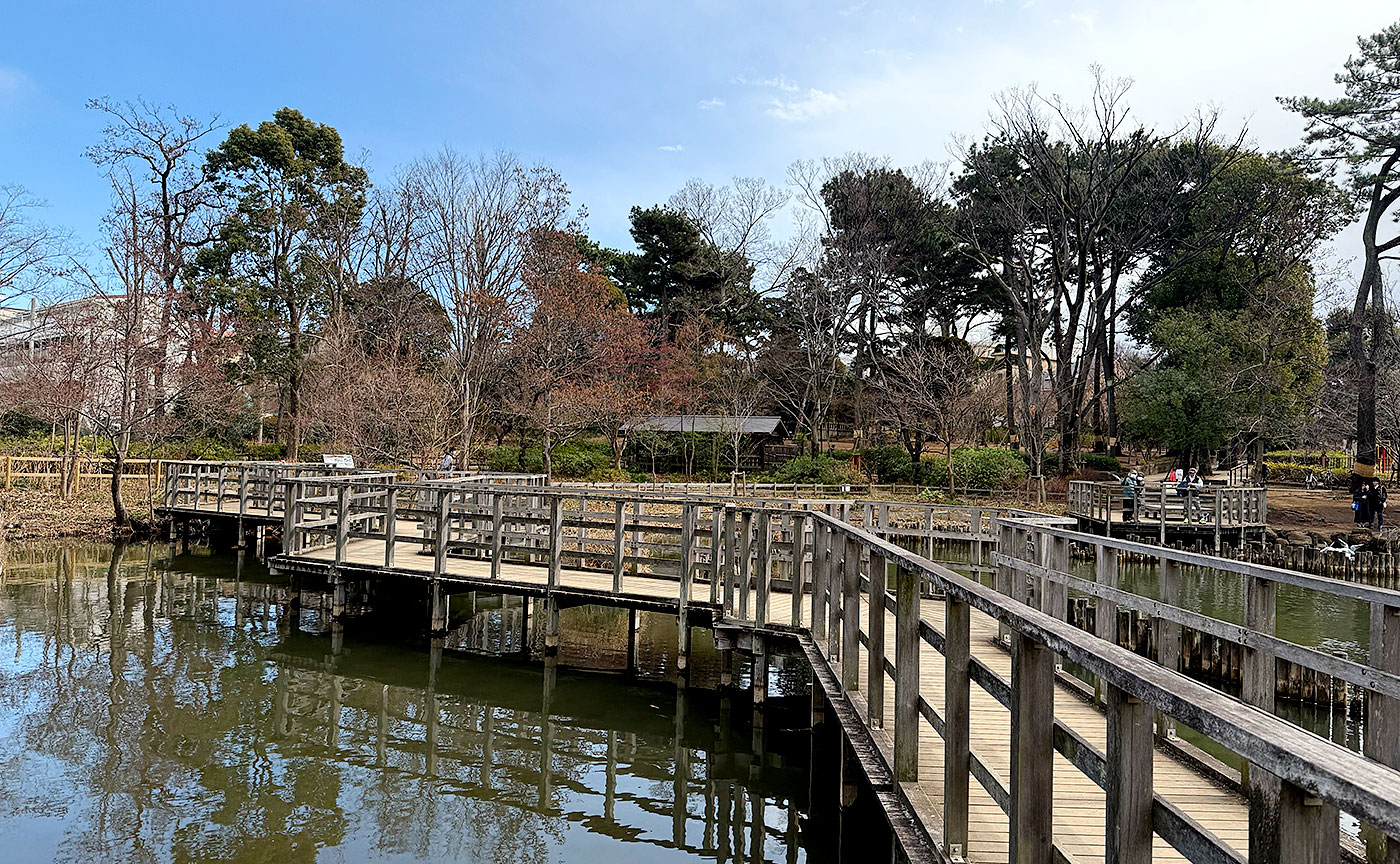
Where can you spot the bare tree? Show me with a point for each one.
(28, 247)
(477, 216)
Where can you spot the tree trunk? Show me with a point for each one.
(120, 518)
(1011, 439)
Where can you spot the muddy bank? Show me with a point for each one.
(39, 514)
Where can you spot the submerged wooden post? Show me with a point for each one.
(1128, 819)
(906, 682)
(688, 513)
(1032, 751)
(957, 720)
(1258, 687)
(875, 629)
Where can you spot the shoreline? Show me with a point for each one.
(41, 514)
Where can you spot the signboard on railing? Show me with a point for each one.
(338, 460)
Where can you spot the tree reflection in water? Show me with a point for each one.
(159, 710)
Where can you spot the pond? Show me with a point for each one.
(159, 708)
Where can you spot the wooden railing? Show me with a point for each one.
(846, 588)
(50, 470)
(1163, 506)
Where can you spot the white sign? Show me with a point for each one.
(338, 460)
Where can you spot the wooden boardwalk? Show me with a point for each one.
(1079, 812)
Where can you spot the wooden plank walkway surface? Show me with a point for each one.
(1080, 808)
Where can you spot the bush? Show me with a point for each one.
(811, 469)
(1101, 462)
(1297, 472)
(892, 465)
(987, 468)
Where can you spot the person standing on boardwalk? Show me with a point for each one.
(1190, 489)
(1132, 493)
(1378, 496)
(449, 458)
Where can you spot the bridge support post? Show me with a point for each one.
(551, 625)
(906, 684)
(849, 774)
(1383, 720)
(1258, 687)
(631, 640)
(759, 674)
(437, 600)
(1032, 751)
(1129, 773)
(957, 719)
(338, 594)
(726, 667)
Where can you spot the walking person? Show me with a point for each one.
(1361, 505)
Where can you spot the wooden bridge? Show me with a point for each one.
(952, 695)
(1216, 512)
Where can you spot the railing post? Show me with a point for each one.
(716, 554)
(342, 521)
(391, 522)
(799, 564)
(1308, 830)
(1168, 633)
(875, 629)
(906, 682)
(1004, 574)
(839, 556)
(765, 567)
(242, 492)
(821, 579)
(441, 530)
(850, 615)
(619, 542)
(729, 547)
(1383, 718)
(289, 518)
(497, 528)
(1258, 683)
(957, 720)
(1032, 751)
(556, 540)
(687, 566)
(745, 561)
(1128, 819)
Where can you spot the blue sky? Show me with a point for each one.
(629, 99)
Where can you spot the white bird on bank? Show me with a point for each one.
(1338, 545)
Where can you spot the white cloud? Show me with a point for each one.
(818, 103)
(710, 104)
(671, 148)
(778, 82)
(1084, 19)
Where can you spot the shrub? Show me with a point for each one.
(987, 468)
(1297, 472)
(811, 469)
(1101, 462)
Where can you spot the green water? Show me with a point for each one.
(159, 709)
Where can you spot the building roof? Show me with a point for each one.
(708, 423)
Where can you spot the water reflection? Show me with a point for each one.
(156, 710)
